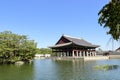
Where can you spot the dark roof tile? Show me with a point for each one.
(76, 41)
(79, 41)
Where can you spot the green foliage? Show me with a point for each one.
(44, 51)
(102, 67)
(105, 67)
(14, 47)
(109, 16)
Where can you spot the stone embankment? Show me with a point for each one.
(114, 56)
(96, 58)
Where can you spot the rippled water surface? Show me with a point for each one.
(47, 69)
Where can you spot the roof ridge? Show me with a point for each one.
(78, 38)
(72, 37)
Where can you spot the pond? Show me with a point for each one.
(47, 69)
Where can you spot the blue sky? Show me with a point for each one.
(46, 20)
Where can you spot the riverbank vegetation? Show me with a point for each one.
(14, 47)
(44, 51)
(105, 67)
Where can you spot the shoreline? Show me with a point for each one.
(98, 57)
(114, 56)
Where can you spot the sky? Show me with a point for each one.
(45, 21)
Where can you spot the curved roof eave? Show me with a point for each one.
(61, 45)
(90, 46)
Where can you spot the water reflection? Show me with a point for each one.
(14, 72)
(47, 69)
(83, 70)
(74, 70)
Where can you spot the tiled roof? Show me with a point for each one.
(118, 49)
(76, 41)
(59, 45)
(79, 41)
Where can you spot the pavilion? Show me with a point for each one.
(68, 46)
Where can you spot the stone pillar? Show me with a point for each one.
(87, 53)
(90, 53)
(60, 54)
(80, 54)
(83, 53)
(73, 53)
(66, 54)
(77, 53)
(95, 53)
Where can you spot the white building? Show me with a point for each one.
(42, 55)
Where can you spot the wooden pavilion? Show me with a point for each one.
(118, 49)
(68, 46)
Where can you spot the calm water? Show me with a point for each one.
(47, 69)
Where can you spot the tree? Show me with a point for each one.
(109, 16)
(14, 47)
(44, 51)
